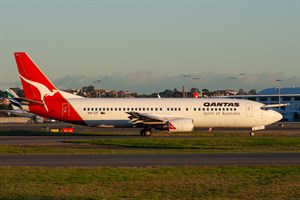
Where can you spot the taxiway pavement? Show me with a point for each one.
(144, 160)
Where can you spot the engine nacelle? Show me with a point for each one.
(178, 125)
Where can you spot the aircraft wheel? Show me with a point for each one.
(147, 132)
(142, 132)
(252, 133)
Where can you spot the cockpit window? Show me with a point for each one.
(264, 108)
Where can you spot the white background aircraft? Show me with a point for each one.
(16, 108)
(173, 115)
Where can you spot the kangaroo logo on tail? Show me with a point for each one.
(44, 91)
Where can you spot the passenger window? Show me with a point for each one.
(187, 109)
(84, 109)
(88, 109)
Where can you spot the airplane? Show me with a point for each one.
(16, 103)
(163, 114)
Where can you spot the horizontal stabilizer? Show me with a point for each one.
(25, 101)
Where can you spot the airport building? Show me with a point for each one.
(276, 95)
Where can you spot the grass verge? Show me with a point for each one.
(269, 182)
(162, 145)
(194, 145)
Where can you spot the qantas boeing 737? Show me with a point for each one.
(165, 114)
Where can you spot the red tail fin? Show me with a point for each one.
(38, 87)
(35, 84)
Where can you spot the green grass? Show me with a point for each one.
(197, 142)
(261, 144)
(35, 149)
(162, 145)
(274, 182)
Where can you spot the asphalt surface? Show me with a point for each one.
(51, 140)
(143, 160)
(280, 126)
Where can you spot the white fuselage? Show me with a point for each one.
(209, 112)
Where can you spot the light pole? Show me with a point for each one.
(98, 81)
(278, 80)
(242, 74)
(183, 89)
(236, 78)
(195, 81)
(233, 78)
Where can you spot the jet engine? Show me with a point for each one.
(177, 125)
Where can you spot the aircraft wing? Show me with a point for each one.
(19, 113)
(142, 118)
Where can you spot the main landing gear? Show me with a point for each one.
(146, 132)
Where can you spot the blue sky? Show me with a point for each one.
(147, 46)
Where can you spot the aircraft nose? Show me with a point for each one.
(275, 116)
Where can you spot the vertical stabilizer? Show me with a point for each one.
(44, 98)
